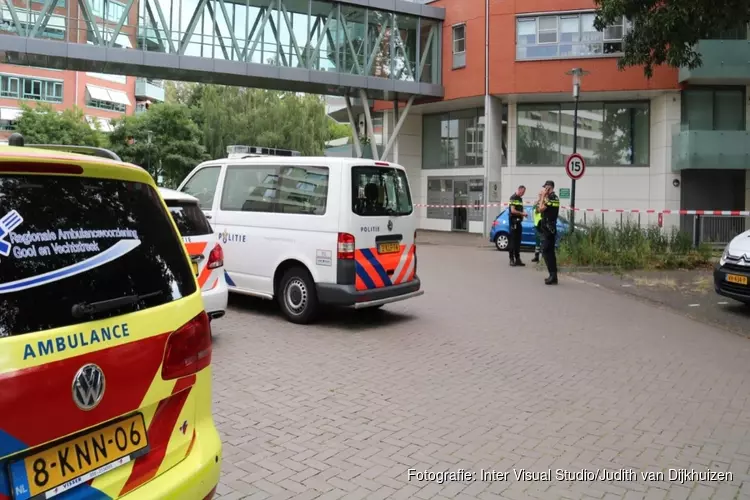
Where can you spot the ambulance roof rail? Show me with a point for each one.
(18, 140)
(241, 151)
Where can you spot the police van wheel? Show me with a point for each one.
(501, 242)
(298, 298)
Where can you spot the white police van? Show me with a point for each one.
(310, 231)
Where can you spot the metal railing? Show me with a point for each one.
(714, 230)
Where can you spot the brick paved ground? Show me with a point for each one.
(471, 375)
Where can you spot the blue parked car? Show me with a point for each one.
(501, 227)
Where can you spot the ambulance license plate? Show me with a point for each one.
(392, 247)
(735, 278)
(64, 466)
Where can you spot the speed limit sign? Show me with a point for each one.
(575, 166)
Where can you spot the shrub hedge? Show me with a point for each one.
(628, 246)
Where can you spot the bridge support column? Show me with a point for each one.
(368, 121)
(397, 128)
(395, 120)
(353, 125)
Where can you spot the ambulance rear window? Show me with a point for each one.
(189, 218)
(69, 241)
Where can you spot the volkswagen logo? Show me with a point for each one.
(390, 225)
(88, 387)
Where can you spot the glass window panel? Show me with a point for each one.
(429, 51)
(548, 23)
(641, 134)
(431, 140)
(466, 125)
(203, 186)
(354, 31)
(570, 29)
(618, 132)
(588, 32)
(303, 190)
(609, 134)
(590, 119)
(615, 31)
(548, 29)
(526, 31)
(405, 48)
(538, 135)
(250, 188)
(697, 109)
(729, 110)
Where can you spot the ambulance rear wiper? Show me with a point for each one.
(88, 308)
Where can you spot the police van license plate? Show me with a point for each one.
(63, 466)
(735, 278)
(392, 247)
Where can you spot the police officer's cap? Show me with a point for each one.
(550, 184)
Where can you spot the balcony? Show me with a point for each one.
(725, 62)
(153, 90)
(710, 149)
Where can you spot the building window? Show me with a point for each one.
(32, 89)
(459, 46)
(36, 89)
(55, 27)
(475, 140)
(58, 5)
(713, 109)
(567, 36)
(104, 98)
(609, 133)
(9, 86)
(453, 140)
(107, 9)
(108, 105)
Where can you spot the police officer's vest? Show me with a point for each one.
(537, 216)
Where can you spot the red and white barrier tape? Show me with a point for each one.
(735, 213)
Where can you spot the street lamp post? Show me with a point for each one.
(577, 74)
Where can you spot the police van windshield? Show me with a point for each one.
(378, 191)
(91, 241)
(189, 218)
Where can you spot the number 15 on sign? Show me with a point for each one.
(575, 166)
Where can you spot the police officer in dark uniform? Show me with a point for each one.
(517, 214)
(550, 208)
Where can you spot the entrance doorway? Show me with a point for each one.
(461, 214)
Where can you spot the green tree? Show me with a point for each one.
(666, 31)
(164, 140)
(255, 117)
(338, 130)
(42, 124)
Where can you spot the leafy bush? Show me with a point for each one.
(628, 246)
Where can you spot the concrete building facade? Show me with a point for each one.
(676, 141)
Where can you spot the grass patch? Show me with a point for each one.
(628, 246)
